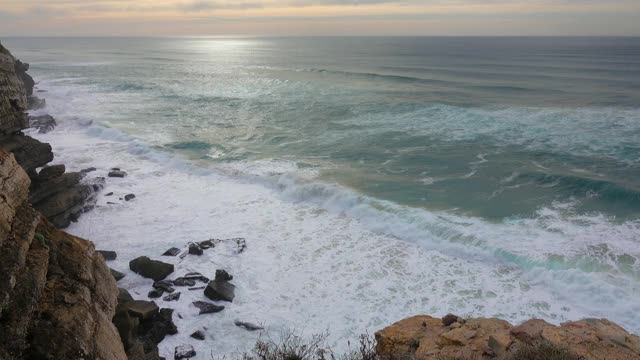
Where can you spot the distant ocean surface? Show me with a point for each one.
(381, 177)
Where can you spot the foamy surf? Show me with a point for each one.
(321, 257)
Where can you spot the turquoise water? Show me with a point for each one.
(532, 142)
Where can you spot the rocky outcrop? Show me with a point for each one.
(426, 337)
(57, 296)
(60, 197)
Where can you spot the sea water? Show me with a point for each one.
(373, 178)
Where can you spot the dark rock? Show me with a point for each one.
(164, 285)
(67, 205)
(198, 335)
(196, 276)
(184, 282)
(142, 309)
(21, 70)
(241, 244)
(223, 275)
(184, 352)
(110, 203)
(248, 326)
(115, 169)
(50, 172)
(154, 269)
(172, 297)
(219, 290)
(449, 319)
(108, 194)
(88, 170)
(126, 325)
(117, 274)
(129, 197)
(194, 249)
(108, 255)
(117, 173)
(161, 326)
(207, 244)
(207, 307)
(171, 252)
(29, 152)
(124, 296)
(43, 123)
(197, 288)
(43, 189)
(155, 293)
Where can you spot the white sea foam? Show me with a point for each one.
(324, 257)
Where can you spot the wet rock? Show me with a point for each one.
(184, 282)
(110, 203)
(164, 285)
(184, 352)
(108, 255)
(449, 319)
(171, 252)
(198, 335)
(194, 249)
(220, 289)
(117, 173)
(248, 326)
(154, 294)
(223, 275)
(129, 197)
(124, 296)
(196, 276)
(43, 123)
(88, 170)
(207, 307)
(29, 152)
(126, 326)
(161, 326)
(142, 309)
(50, 172)
(41, 190)
(154, 269)
(108, 194)
(172, 297)
(117, 274)
(207, 244)
(197, 288)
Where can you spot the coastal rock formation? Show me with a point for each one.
(60, 197)
(57, 296)
(426, 337)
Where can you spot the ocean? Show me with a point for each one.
(374, 178)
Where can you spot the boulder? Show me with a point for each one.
(172, 297)
(164, 286)
(40, 190)
(29, 152)
(129, 197)
(117, 274)
(108, 255)
(181, 281)
(184, 352)
(198, 335)
(124, 296)
(220, 289)
(207, 307)
(247, 325)
(154, 294)
(194, 249)
(43, 123)
(50, 172)
(171, 252)
(141, 309)
(117, 173)
(161, 326)
(449, 319)
(154, 269)
(196, 276)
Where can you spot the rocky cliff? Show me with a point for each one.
(57, 296)
(452, 337)
(60, 196)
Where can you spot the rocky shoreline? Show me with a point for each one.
(59, 299)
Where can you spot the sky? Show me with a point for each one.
(318, 17)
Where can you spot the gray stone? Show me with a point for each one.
(108, 255)
(184, 352)
(207, 307)
(154, 269)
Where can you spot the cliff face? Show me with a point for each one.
(425, 337)
(57, 295)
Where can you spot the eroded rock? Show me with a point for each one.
(154, 269)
